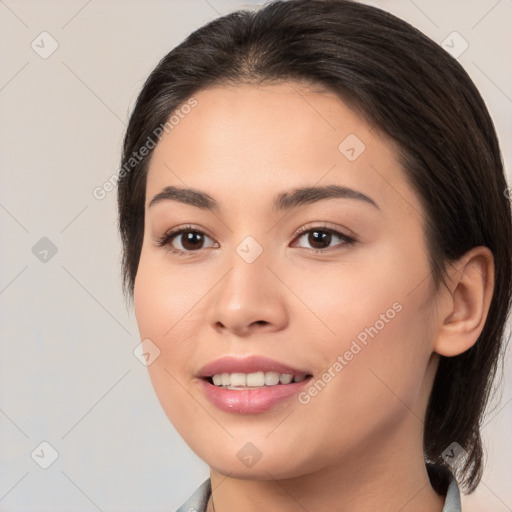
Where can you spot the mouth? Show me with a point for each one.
(250, 372)
(257, 379)
(250, 385)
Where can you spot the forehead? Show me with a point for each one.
(240, 140)
(237, 119)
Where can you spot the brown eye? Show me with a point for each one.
(185, 241)
(320, 239)
(190, 240)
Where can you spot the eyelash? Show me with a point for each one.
(167, 237)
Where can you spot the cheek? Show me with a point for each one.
(163, 310)
(366, 388)
(383, 364)
(163, 302)
(379, 346)
(166, 299)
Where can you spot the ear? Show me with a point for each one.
(464, 308)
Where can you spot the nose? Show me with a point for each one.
(249, 298)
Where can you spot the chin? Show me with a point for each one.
(249, 463)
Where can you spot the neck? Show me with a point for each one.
(385, 477)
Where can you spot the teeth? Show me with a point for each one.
(255, 379)
(238, 379)
(271, 378)
(285, 378)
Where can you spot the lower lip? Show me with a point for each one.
(250, 400)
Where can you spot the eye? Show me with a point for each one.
(320, 238)
(185, 240)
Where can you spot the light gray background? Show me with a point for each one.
(67, 372)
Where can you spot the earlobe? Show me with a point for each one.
(463, 319)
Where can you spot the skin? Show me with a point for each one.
(357, 444)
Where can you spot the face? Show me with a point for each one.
(331, 287)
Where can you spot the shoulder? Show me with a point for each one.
(198, 501)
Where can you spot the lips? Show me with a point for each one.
(235, 395)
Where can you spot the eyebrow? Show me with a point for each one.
(282, 201)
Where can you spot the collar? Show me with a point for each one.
(452, 501)
(198, 501)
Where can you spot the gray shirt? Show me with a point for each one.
(198, 501)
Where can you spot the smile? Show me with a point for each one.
(250, 385)
(254, 380)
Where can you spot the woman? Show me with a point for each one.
(318, 245)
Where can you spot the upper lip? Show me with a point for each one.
(251, 364)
